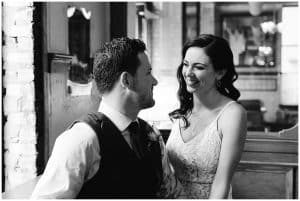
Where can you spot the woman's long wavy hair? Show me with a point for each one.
(220, 54)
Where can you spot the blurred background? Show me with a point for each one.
(47, 55)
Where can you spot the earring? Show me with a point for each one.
(218, 83)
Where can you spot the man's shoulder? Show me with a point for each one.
(81, 133)
(93, 119)
(92, 116)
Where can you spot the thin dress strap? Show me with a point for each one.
(221, 112)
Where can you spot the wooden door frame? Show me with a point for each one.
(41, 82)
(42, 71)
(118, 23)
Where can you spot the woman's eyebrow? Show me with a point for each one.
(196, 63)
(203, 64)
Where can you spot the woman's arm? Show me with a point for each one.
(233, 124)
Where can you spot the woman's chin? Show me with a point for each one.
(190, 89)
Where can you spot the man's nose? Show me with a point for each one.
(155, 82)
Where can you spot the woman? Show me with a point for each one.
(208, 135)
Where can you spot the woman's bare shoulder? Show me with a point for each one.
(233, 115)
(235, 109)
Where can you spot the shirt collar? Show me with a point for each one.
(120, 120)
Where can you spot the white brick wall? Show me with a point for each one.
(19, 130)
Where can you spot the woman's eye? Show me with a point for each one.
(199, 67)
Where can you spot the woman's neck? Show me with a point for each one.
(207, 101)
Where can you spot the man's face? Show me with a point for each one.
(144, 82)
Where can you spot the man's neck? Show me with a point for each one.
(121, 104)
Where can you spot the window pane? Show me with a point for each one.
(289, 56)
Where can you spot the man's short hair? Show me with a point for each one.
(115, 57)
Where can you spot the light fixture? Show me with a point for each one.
(71, 11)
(255, 8)
(268, 27)
(86, 14)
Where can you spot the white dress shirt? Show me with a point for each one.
(76, 157)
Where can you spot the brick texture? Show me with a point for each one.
(20, 127)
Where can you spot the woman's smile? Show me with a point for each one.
(191, 82)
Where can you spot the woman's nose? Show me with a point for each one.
(189, 70)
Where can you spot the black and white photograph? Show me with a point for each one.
(150, 100)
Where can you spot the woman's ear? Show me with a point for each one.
(126, 80)
(220, 74)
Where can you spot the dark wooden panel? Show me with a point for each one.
(268, 168)
(118, 19)
(271, 145)
(270, 157)
(273, 135)
(64, 108)
(265, 181)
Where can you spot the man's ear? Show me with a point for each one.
(126, 80)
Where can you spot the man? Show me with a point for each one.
(112, 153)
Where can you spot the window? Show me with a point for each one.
(80, 73)
(289, 56)
(191, 20)
(252, 39)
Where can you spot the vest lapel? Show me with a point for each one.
(110, 130)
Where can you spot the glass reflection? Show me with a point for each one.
(80, 72)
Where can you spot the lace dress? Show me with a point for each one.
(195, 162)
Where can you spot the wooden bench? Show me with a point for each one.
(268, 169)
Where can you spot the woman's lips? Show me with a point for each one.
(191, 82)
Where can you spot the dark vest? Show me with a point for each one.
(121, 173)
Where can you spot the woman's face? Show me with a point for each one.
(198, 72)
